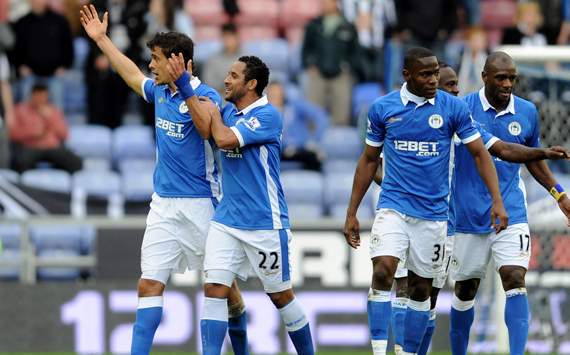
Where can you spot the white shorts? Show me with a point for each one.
(420, 242)
(175, 235)
(240, 250)
(439, 280)
(472, 252)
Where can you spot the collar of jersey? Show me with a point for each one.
(194, 82)
(262, 101)
(407, 96)
(486, 105)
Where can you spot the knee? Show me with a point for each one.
(512, 277)
(150, 288)
(466, 290)
(402, 287)
(420, 290)
(382, 277)
(281, 299)
(216, 290)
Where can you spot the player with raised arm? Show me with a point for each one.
(415, 126)
(185, 177)
(513, 120)
(503, 150)
(251, 226)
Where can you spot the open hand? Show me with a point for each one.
(94, 28)
(176, 67)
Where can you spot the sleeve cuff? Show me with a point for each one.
(238, 135)
(491, 142)
(143, 90)
(373, 144)
(471, 138)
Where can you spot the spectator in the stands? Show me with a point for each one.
(527, 29)
(216, 68)
(38, 132)
(304, 125)
(43, 50)
(473, 60)
(330, 55)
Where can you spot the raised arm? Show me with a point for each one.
(542, 174)
(518, 153)
(199, 110)
(488, 173)
(365, 171)
(97, 31)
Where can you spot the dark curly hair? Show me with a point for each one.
(173, 42)
(255, 68)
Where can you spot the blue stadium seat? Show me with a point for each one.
(90, 141)
(10, 239)
(291, 165)
(342, 143)
(75, 97)
(10, 175)
(363, 95)
(96, 164)
(137, 185)
(97, 183)
(80, 52)
(339, 166)
(274, 52)
(205, 49)
(304, 211)
(134, 165)
(62, 242)
(133, 142)
(337, 190)
(47, 179)
(303, 192)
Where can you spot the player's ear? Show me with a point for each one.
(484, 76)
(252, 84)
(406, 74)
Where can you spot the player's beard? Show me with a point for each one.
(235, 94)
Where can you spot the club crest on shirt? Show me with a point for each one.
(435, 121)
(515, 128)
(252, 124)
(183, 108)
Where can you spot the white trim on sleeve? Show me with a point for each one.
(471, 138)
(373, 144)
(491, 142)
(238, 135)
(142, 89)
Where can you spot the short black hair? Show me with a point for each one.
(173, 42)
(256, 69)
(229, 27)
(413, 54)
(39, 86)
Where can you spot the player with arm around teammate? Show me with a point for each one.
(250, 228)
(503, 150)
(414, 126)
(186, 187)
(512, 120)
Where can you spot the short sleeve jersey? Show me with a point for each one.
(185, 164)
(518, 123)
(253, 196)
(416, 135)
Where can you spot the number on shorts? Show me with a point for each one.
(274, 264)
(522, 238)
(438, 252)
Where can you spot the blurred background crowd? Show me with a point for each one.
(64, 109)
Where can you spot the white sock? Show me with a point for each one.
(293, 316)
(379, 347)
(398, 349)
